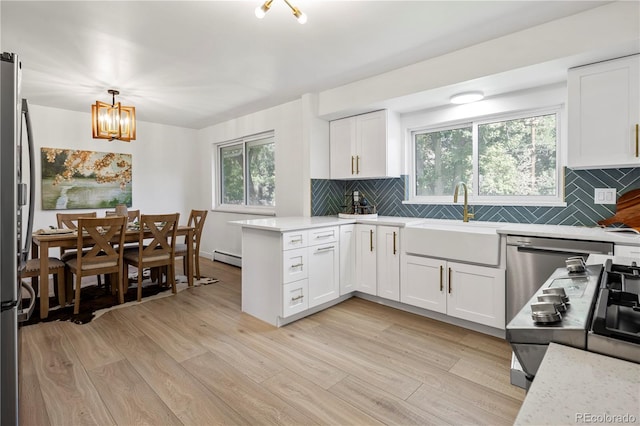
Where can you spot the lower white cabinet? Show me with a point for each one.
(366, 271)
(470, 292)
(324, 273)
(347, 259)
(388, 262)
(295, 297)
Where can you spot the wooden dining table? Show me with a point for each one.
(43, 242)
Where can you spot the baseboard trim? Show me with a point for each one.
(231, 259)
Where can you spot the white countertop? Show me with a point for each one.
(283, 224)
(573, 386)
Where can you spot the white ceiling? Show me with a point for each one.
(197, 63)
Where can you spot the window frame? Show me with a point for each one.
(245, 142)
(473, 196)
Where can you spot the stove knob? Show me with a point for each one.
(545, 313)
(557, 290)
(556, 299)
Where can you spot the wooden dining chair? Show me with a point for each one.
(103, 239)
(70, 221)
(133, 215)
(196, 219)
(159, 252)
(56, 268)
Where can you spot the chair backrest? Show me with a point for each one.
(134, 215)
(103, 240)
(163, 229)
(196, 219)
(70, 220)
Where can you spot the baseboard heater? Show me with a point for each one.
(229, 258)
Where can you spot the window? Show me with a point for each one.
(246, 170)
(510, 160)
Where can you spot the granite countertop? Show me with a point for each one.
(573, 386)
(283, 224)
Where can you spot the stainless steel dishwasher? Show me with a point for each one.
(531, 260)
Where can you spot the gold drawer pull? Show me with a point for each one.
(449, 280)
(441, 273)
(394, 243)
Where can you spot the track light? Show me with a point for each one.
(262, 10)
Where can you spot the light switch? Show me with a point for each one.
(604, 196)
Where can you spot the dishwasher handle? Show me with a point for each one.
(556, 250)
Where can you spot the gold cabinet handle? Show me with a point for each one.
(394, 242)
(357, 164)
(352, 164)
(441, 271)
(637, 143)
(449, 280)
(370, 239)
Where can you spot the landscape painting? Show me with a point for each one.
(76, 179)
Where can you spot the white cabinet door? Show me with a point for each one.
(366, 258)
(342, 147)
(347, 259)
(324, 273)
(604, 112)
(424, 283)
(371, 145)
(476, 293)
(388, 259)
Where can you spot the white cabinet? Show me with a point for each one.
(365, 146)
(627, 251)
(370, 260)
(388, 259)
(347, 259)
(324, 272)
(604, 113)
(470, 292)
(476, 293)
(366, 271)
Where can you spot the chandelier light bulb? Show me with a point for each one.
(300, 16)
(262, 10)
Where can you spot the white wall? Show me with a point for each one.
(292, 188)
(163, 180)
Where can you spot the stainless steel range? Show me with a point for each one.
(595, 309)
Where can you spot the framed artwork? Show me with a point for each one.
(75, 179)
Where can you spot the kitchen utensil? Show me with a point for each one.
(627, 210)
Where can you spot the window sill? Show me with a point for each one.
(260, 211)
(539, 203)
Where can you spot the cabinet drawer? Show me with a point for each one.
(294, 239)
(323, 235)
(295, 297)
(295, 265)
(627, 251)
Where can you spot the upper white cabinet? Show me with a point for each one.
(604, 113)
(365, 146)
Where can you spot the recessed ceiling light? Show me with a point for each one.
(467, 97)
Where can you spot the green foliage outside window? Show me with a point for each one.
(516, 157)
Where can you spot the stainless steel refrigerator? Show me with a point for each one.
(16, 224)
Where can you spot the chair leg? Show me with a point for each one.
(184, 265)
(59, 282)
(76, 305)
(120, 282)
(196, 262)
(139, 284)
(171, 275)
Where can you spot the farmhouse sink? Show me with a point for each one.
(473, 242)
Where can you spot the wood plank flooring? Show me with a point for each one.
(194, 358)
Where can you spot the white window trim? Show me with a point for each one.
(474, 199)
(216, 181)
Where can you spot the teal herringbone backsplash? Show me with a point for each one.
(328, 197)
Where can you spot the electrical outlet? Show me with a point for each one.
(604, 196)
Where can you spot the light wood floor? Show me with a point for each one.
(195, 359)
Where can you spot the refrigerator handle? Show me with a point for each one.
(32, 177)
(25, 313)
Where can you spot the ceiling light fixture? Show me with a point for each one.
(262, 10)
(113, 121)
(467, 97)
